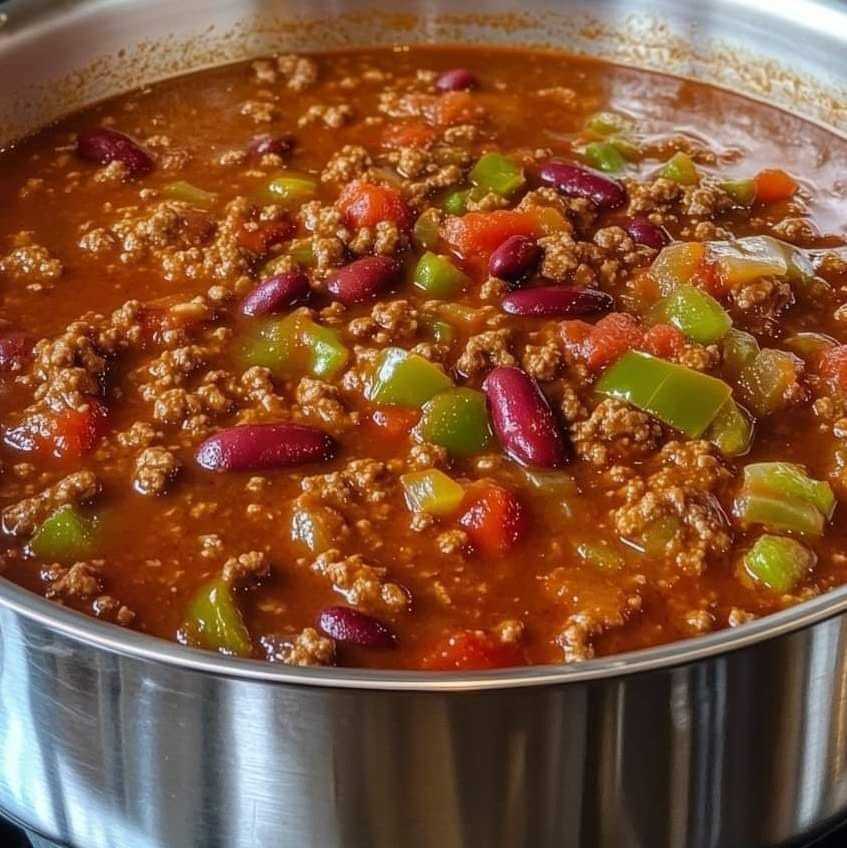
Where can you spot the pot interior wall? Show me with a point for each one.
(57, 57)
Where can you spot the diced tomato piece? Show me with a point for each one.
(410, 134)
(494, 519)
(575, 335)
(663, 340)
(76, 432)
(476, 235)
(833, 367)
(394, 422)
(260, 237)
(365, 204)
(773, 184)
(472, 650)
(71, 433)
(455, 107)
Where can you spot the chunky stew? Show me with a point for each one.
(424, 358)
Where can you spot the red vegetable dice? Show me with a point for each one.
(494, 519)
(365, 204)
(472, 650)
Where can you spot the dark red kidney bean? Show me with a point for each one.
(348, 625)
(363, 280)
(577, 181)
(456, 79)
(15, 349)
(276, 293)
(252, 447)
(103, 145)
(515, 259)
(642, 231)
(523, 420)
(556, 302)
(279, 145)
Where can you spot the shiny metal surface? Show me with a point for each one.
(109, 738)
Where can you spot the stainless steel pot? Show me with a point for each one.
(109, 738)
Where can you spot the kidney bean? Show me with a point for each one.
(348, 625)
(515, 259)
(523, 420)
(15, 349)
(642, 231)
(279, 145)
(252, 447)
(576, 181)
(103, 145)
(276, 293)
(363, 280)
(456, 79)
(556, 302)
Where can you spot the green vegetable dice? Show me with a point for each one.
(743, 192)
(600, 554)
(746, 259)
(779, 513)
(314, 528)
(604, 156)
(732, 430)
(66, 536)
(295, 345)
(778, 563)
(497, 173)
(695, 312)
(681, 397)
(291, 188)
(786, 479)
(456, 202)
(677, 264)
(214, 621)
(456, 419)
(425, 231)
(438, 277)
(738, 349)
(681, 169)
(432, 491)
(809, 346)
(406, 379)
(765, 383)
(188, 193)
(607, 123)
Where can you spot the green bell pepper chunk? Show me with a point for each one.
(497, 173)
(743, 192)
(695, 312)
(778, 562)
(292, 189)
(659, 534)
(746, 259)
(432, 491)
(65, 536)
(214, 621)
(681, 397)
(442, 332)
(600, 554)
(732, 430)
(406, 379)
(296, 344)
(681, 169)
(456, 419)
(607, 123)
(738, 350)
(779, 513)
(788, 480)
(677, 264)
(456, 203)
(438, 277)
(188, 193)
(764, 382)
(604, 156)
(425, 230)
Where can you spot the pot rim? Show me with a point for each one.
(142, 646)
